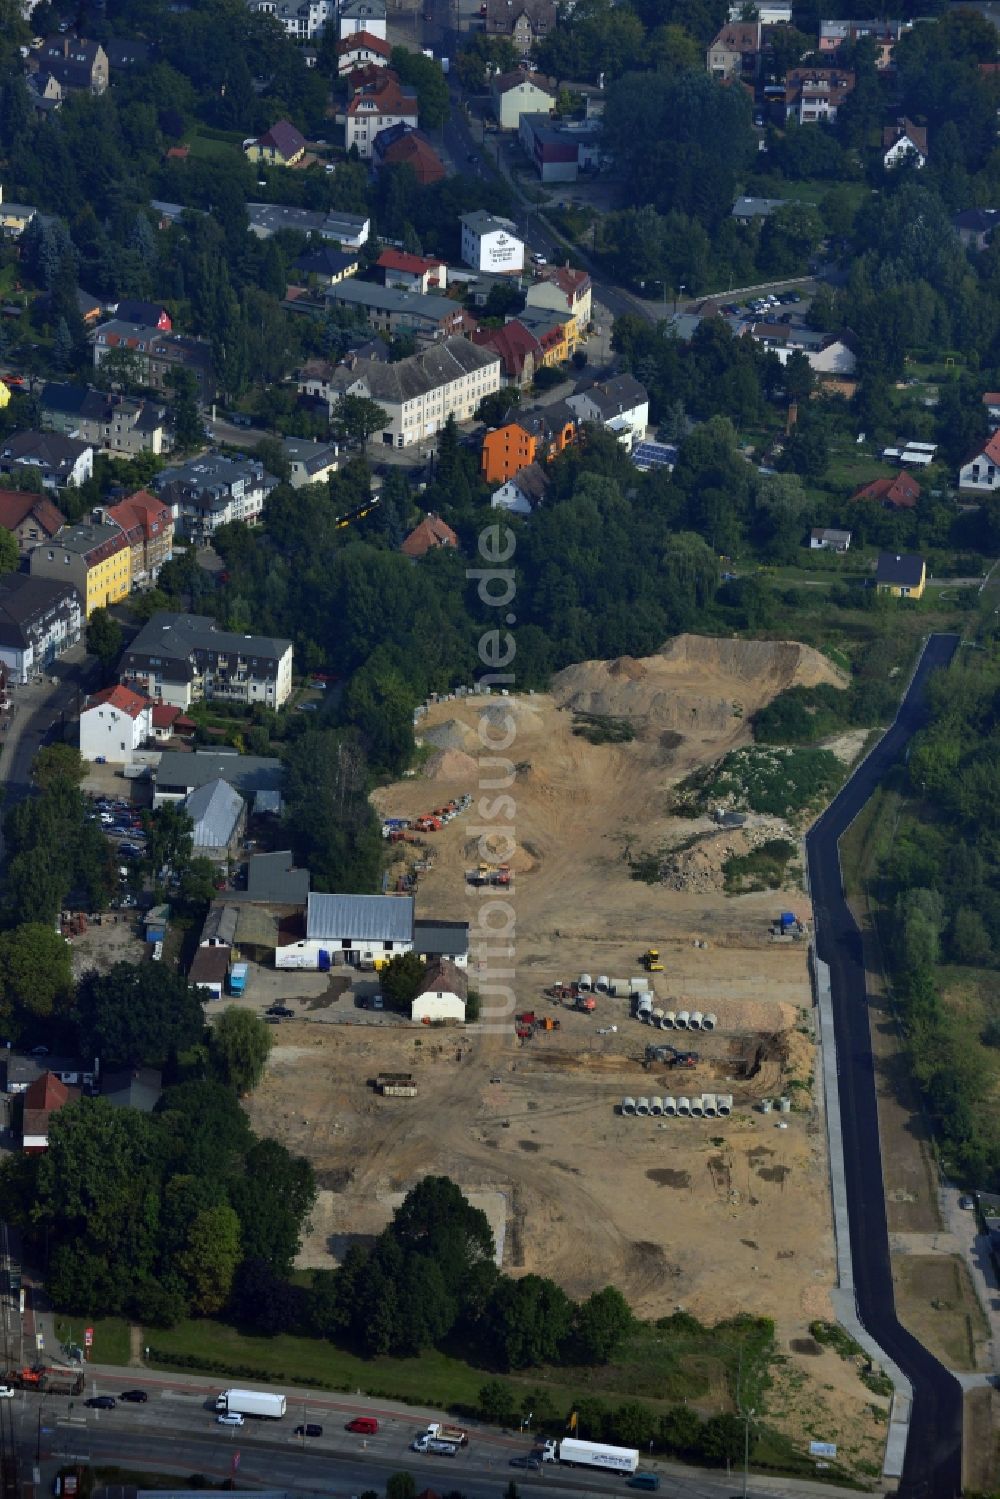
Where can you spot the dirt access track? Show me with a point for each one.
(716, 1216)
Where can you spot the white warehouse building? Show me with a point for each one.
(364, 930)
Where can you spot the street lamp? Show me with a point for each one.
(677, 293)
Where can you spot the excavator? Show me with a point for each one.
(650, 960)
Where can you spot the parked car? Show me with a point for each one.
(102, 1402)
(310, 1429)
(231, 1418)
(282, 1011)
(366, 1425)
(6, 1392)
(134, 1397)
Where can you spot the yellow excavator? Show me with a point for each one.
(651, 960)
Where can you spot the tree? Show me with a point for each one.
(122, 369)
(62, 346)
(425, 75)
(356, 419)
(210, 1259)
(189, 430)
(402, 978)
(36, 971)
(401, 1486)
(529, 1321)
(497, 1403)
(603, 1321)
(9, 556)
(137, 1015)
(273, 1200)
(169, 833)
(57, 765)
(197, 883)
(104, 637)
(241, 1044)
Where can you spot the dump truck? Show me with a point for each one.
(251, 1403)
(585, 1002)
(650, 960)
(437, 1431)
(46, 1380)
(576, 1454)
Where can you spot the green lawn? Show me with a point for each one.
(208, 149)
(111, 1337)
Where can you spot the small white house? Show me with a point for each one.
(824, 540)
(620, 405)
(490, 244)
(521, 494)
(981, 470)
(114, 724)
(442, 995)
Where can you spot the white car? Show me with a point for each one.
(7, 1392)
(231, 1418)
(537, 259)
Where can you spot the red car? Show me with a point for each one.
(367, 1425)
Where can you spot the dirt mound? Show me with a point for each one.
(450, 735)
(699, 867)
(695, 684)
(451, 765)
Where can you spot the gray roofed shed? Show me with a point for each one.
(273, 878)
(215, 809)
(247, 774)
(441, 938)
(363, 918)
(220, 925)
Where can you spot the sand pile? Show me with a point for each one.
(695, 685)
(452, 734)
(451, 765)
(699, 869)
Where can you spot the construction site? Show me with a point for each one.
(627, 993)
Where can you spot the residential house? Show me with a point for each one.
(63, 462)
(40, 618)
(218, 816)
(170, 723)
(901, 492)
(181, 771)
(79, 65)
(620, 405)
(522, 493)
(32, 518)
(525, 437)
(208, 492)
(735, 52)
(981, 470)
(442, 994)
(127, 52)
(563, 289)
(754, 210)
(525, 22)
(280, 146)
(43, 1098)
(991, 400)
(45, 92)
(148, 522)
(326, 266)
(183, 658)
(365, 931)
(835, 35)
(403, 146)
(419, 393)
(114, 724)
(975, 226)
(360, 49)
(23, 1071)
(144, 314)
(904, 576)
(209, 970)
(14, 217)
(111, 422)
(302, 19)
(412, 272)
(560, 149)
(433, 940)
(348, 230)
(822, 539)
(95, 559)
(137, 1088)
(904, 143)
(158, 354)
(490, 243)
(555, 331)
(814, 95)
(310, 462)
(517, 93)
(357, 16)
(770, 13)
(520, 351)
(374, 108)
(392, 311)
(431, 533)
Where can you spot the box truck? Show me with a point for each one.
(591, 1455)
(238, 975)
(251, 1403)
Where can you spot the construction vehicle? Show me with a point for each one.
(396, 1085)
(585, 1002)
(670, 1056)
(427, 824)
(650, 960)
(546, 1023)
(46, 1380)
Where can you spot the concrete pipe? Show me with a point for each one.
(697, 1108)
(628, 1105)
(765, 1105)
(709, 1022)
(683, 1020)
(642, 1105)
(695, 1022)
(656, 1107)
(644, 1011)
(785, 1105)
(669, 1021)
(656, 1017)
(670, 1106)
(584, 983)
(710, 1105)
(724, 1102)
(603, 983)
(638, 985)
(684, 1108)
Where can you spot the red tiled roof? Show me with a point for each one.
(513, 342)
(399, 260)
(991, 397)
(47, 1093)
(385, 96)
(901, 492)
(363, 41)
(413, 151)
(122, 698)
(141, 509)
(17, 504)
(432, 532)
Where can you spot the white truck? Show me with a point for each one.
(251, 1403)
(578, 1454)
(437, 1430)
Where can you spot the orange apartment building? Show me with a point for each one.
(530, 437)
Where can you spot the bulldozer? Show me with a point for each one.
(651, 960)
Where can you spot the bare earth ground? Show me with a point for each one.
(715, 1216)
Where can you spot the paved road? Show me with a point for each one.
(933, 1463)
(38, 711)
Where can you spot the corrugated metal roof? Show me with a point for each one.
(365, 918)
(215, 810)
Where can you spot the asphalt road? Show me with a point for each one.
(933, 1463)
(40, 713)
